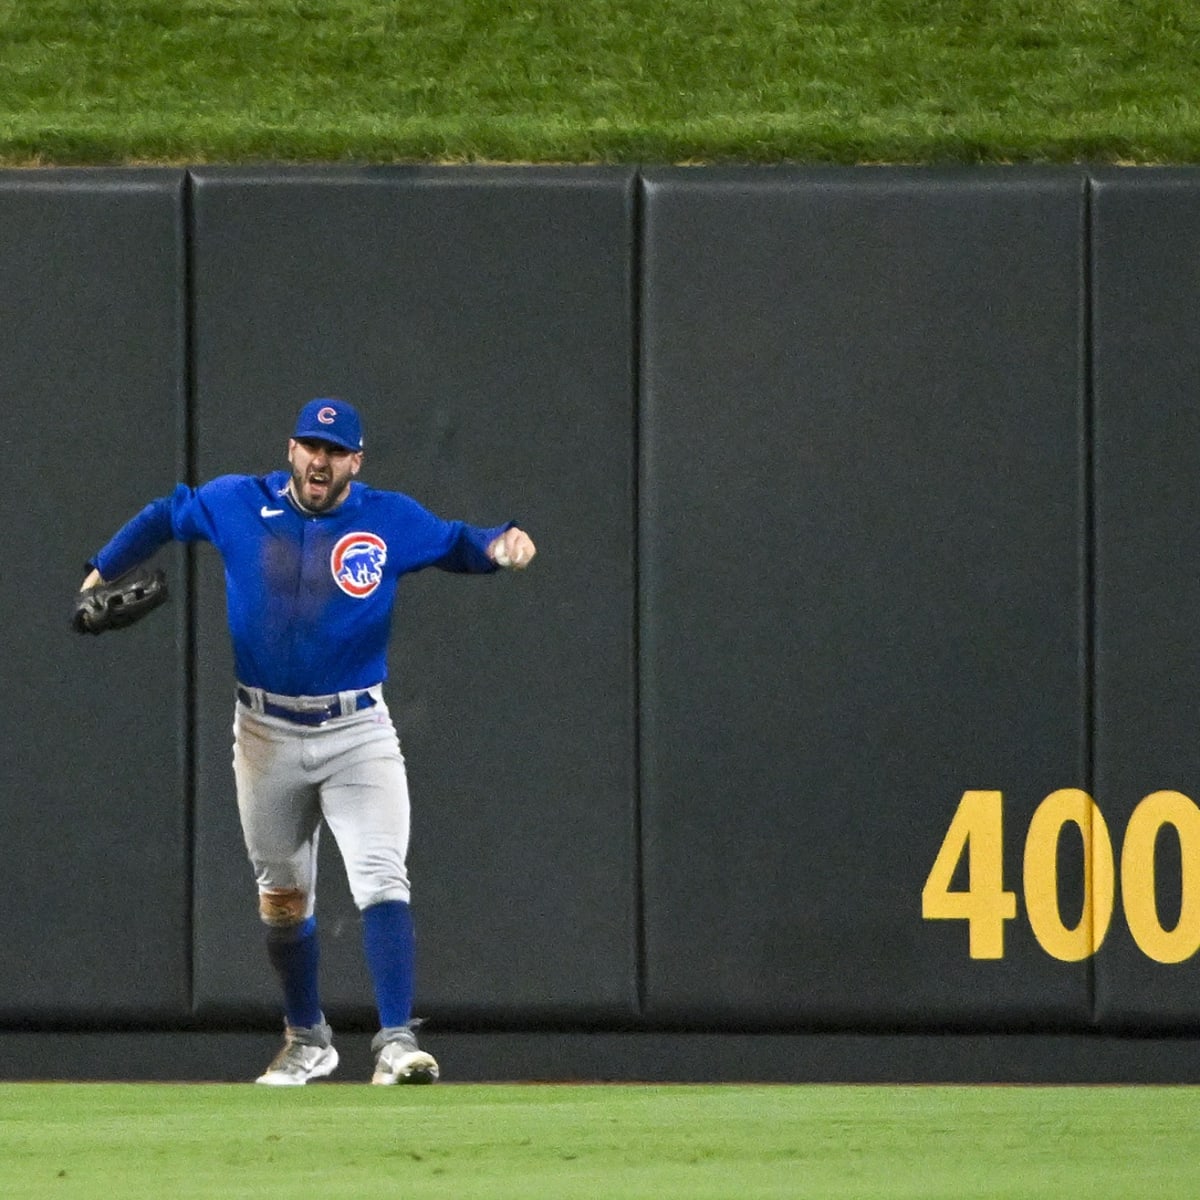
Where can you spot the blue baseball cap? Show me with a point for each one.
(331, 421)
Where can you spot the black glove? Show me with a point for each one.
(119, 603)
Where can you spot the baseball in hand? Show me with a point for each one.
(500, 554)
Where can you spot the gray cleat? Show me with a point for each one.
(398, 1058)
(307, 1053)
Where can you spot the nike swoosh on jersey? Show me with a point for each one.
(270, 512)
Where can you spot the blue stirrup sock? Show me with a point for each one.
(390, 948)
(293, 952)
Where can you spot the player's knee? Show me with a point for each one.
(281, 908)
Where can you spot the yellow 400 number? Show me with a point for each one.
(977, 831)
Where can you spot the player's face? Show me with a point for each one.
(321, 472)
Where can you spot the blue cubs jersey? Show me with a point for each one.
(309, 596)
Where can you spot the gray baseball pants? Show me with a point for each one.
(348, 773)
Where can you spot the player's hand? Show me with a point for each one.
(514, 548)
(93, 580)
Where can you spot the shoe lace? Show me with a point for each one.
(401, 1036)
(294, 1054)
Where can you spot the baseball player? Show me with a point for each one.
(312, 561)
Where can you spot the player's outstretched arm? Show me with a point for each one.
(514, 549)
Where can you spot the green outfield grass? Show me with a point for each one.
(477, 1142)
(599, 80)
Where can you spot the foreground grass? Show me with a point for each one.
(476, 1142)
(599, 80)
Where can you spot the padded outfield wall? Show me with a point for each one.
(844, 727)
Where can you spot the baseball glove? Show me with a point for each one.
(120, 603)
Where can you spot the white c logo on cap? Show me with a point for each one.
(327, 416)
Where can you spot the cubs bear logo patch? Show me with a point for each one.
(357, 563)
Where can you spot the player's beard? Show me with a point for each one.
(335, 488)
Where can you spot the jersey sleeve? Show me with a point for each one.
(182, 516)
(447, 545)
(467, 547)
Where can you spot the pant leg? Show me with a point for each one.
(278, 803)
(365, 803)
